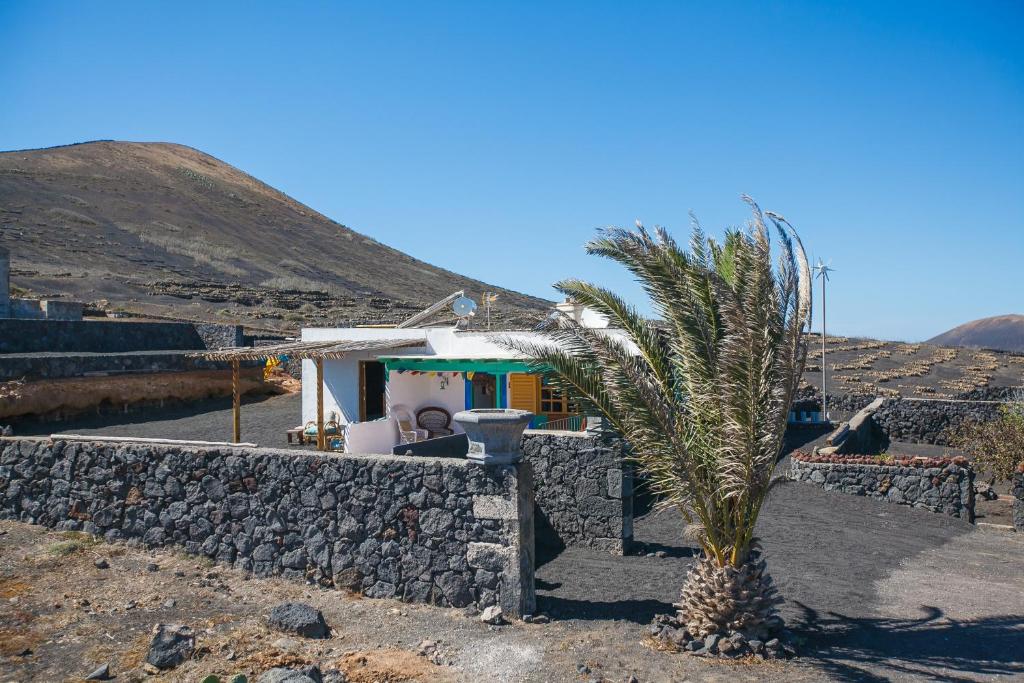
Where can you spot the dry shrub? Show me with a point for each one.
(996, 445)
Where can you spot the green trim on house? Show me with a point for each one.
(495, 367)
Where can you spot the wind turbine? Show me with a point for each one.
(823, 269)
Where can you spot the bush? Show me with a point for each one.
(996, 445)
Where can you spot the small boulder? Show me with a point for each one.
(282, 675)
(300, 619)
(492, 615)
(171, 645)
(100, 674)
(710, 645)
(101, 563)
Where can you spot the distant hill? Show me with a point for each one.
(1003, 332)
(166, 230)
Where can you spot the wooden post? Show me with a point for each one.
(321, 439)
(236, 402)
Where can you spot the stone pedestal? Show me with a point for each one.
(495, 434)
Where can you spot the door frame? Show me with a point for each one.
(362, 389)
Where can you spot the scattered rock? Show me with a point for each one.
(582, 669)
(100, 674)
(152, 567)
(171, 645)
(285, 643)
(986, 491)
(300, 619)
(660, 553)
(492, 615)
(169, 604)
(282, 675)
(537, 619)
(101, 563)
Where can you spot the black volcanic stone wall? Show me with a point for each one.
(94, 336)
(446, 532)
(809, 398)
(584, 489)
(111, 336)
(58, 366)
(931, 422)
(217, 336)
(948, 490)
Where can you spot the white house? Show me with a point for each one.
(452, 369)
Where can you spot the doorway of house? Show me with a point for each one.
(371, 390)
(485, 394)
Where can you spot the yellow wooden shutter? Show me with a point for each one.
(524, 391)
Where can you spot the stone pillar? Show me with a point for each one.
(5, 283)
(515, 562)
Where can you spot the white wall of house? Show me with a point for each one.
(341, 377)
(419, 391)
(341, 388)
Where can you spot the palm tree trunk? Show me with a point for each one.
(726, 600)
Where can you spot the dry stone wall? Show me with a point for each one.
(111, 336)
(584, 489)
(440, 531)
(1017, 489)
(948, 489)
(32, 367)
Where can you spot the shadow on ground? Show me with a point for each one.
(931, 645)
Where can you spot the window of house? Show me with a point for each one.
(552, 400)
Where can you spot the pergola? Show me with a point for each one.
(316, 351)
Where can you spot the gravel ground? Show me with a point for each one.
(265, 419)
(880, 592)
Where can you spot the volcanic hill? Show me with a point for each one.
(165, 230)
(1003, 332)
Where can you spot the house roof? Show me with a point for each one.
(306, 349)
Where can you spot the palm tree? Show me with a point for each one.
(701, 395)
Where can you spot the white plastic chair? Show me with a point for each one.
(407, 425)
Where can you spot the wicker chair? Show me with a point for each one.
(435, 420)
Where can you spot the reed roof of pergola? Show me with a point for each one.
(301, 350)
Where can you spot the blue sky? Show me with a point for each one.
(492, 139)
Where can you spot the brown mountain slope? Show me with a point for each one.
(1004, 332)
(163, 229)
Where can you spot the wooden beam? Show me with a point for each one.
(321, 439)
(236, 402)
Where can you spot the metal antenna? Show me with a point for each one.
(823, 270)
